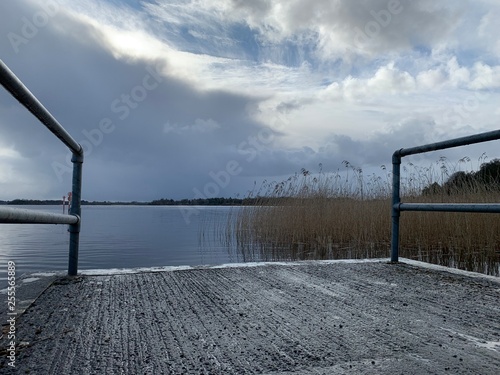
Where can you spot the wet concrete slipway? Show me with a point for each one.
(331, 317)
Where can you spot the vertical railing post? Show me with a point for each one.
(19, 91)
(76, 201)
(396, 200)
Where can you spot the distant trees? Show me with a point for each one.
(157, 202)
(34, 202)
(200, 202)
(460, 182)
(489, 174)
(486, 178)
(432, 189)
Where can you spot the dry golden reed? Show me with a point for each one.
(345, 215)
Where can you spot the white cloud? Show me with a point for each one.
(342, 29)
(391, 80)
(485, 76)
(386, 81)
(328, 76)
(488, 30)
(432, 79)
(458, 75)
(19, 177)
(9, 153)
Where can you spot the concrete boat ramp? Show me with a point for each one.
(330, 317)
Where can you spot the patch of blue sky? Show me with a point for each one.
(286, 53)
(133, 4)
(470, 57)
(205, 37)
(367, 68)
(246, 39)
(237, 41)
(422, 50)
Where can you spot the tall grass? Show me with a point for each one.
(347, 215)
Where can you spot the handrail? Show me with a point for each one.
(23, 216)
(10, 215)
(19, 91)
(451, 207)
(397, 206)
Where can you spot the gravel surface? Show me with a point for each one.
(296, 318)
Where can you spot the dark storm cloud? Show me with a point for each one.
(124, 114)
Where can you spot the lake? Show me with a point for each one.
(122, 237)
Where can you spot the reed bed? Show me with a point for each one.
(345, 215)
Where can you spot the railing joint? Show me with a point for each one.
(396, 157)
(75, 228)
(77, 157)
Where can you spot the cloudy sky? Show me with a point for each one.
(187, 98)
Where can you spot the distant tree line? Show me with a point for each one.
(203, 202)
(158, 202)
(34, 202)
(487, 178)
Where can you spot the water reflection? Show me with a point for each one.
(119, 237)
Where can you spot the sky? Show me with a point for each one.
(198, 98)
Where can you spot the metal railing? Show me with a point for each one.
(397, 206)
(23, 216)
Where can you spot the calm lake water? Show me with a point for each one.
(120, 237)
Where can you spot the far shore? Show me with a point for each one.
(158, 202)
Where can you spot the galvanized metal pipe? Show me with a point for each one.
(11, 215)
(462, 141)
(396, 181)
(76, 201)
(19, 91)
(398, 207)
(450, 207)
(8, 215)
